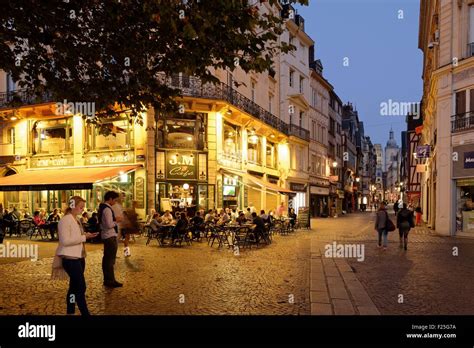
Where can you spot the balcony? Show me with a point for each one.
(461, 122)
(22, 97)
(299, 132)
(193, 87)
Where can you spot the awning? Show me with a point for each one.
(259, 182)
(80, 178)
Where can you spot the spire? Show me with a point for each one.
(391, 133)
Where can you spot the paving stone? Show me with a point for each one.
(368, 310)
(343, 307)
(321, 309)
(319, 296)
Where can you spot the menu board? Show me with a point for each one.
(303, 218)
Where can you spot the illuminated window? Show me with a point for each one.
(52, 137)
(253, 148)
(117, 134)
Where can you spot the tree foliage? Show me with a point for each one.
(113, 51)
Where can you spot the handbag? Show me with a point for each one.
(389, 224)
(58, 272)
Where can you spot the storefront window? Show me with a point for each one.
(271, 155)
(52, 137)
(465, 209)
(253, 148)
(185, 131)
(119, 135)
(231, 139)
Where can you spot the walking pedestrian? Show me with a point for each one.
(130, 226)
(395, 207)
(71, 254)
(404, 223)
(381, 225)
(109, 234)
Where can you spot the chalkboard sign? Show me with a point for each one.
(303, 218)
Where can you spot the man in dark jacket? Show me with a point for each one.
(259, 226)
(404, 224)
(381, 225)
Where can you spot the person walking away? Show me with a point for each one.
(130, 226)
(71, 255)
(404, 224)
(381, 225)
(395, 208)
(109, 234)
(419, 213)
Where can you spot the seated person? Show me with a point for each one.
(150, 217)
(292, 215)
(263, 215)
(167, 218)
(93, 223)
(197, 225)
(181, 226)
(241, 219)
(248, 214)
(155, 222)
(259, 226)
(224, 218)
(84, 218)
(38, 221)
(209, 216)
(54, 216)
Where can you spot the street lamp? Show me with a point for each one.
(357, 179)
(334, 164)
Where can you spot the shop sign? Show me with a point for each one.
(297, 187)
(315, 190)
(109, 158)
(140, 192)
(469, 160)
(333, 178)
(52, 162)
(420, 168)
(423, 151)
(140, 158)
(181, 166)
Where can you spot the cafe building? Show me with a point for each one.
(48, 157)
(222, 151)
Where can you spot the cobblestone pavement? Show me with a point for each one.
(193, 279)
(426, 279)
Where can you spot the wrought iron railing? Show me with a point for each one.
(193, 87)
(22, 97)
(299, 132)
(462, 122)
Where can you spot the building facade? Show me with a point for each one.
(446, 37)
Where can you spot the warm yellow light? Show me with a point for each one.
(334, 164)
(13, 118)
(186, 186)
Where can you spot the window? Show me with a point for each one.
(314, 97)
(471, 24)
(10, 83)
(460, 102)
(338, 128)
(253, 148)
(322, 134)
(270, 102)
(231, 138)
(332, 125)
(301, 84)
(291, 39)
(313, 130)
(186, 131)
(300, 123)
(271, 155)
(120, 135)
(253, 90)
(11, 135)
(313, 163)
(292, 76)
(319, 132)
(52, 137)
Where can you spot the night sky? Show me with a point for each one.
(384, 60)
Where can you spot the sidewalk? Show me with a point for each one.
(334, 288)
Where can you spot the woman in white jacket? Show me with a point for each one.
(72, 252)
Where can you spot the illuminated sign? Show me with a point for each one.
(181, 166)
